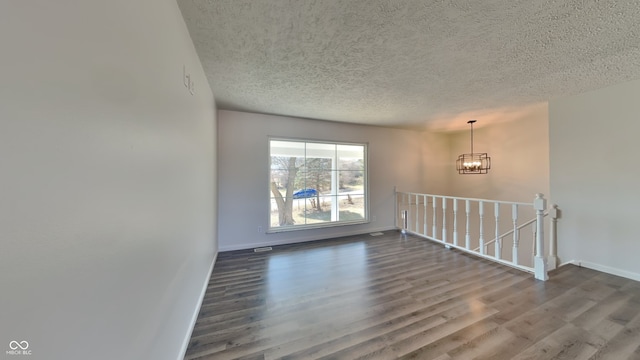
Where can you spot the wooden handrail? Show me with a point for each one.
(470, 199)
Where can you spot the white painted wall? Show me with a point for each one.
(436, 167)
(107, 179)
(396, 157)
(519, 149)
(593, 142)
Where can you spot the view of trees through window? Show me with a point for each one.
(316, 184)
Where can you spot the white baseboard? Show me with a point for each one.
(570, 262)
(194, 317)
(232, 247)
(605, 269)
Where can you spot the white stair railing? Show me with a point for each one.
(437, 218)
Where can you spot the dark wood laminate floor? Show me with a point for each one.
(395, 296)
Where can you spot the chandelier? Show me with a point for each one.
(473, 163)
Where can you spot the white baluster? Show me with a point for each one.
(455, 222)
(404, 221)
(395, 207)
(417, 213)
(467, 236)
(408, 209)
(444, 219)
(481, 213)
(498, 244)
(404, 214)
(533, 242)
(552, 262)
(516, 233)
(434, 228)
(424, 226)
(540, 263)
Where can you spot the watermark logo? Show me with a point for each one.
(18, 348)
(23, 345)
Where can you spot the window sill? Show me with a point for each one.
(314, 226)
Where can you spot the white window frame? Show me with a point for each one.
(335, 191)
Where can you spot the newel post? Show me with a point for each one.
(552, 260)
(540, 262)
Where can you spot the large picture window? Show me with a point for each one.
(315, 184)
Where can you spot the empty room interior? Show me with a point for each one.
(319, 179)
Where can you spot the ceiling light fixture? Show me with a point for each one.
(473, 163)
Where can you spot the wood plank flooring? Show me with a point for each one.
(395, 296)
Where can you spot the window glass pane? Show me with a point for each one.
(320, 151)
(277, 218)
(287, 148)
(286, 162)
(273, 214)
(281, 176)
(300, 207)
(318, 210)
(286, 154)
(350, 156)
(351, 166)
(351, 207)
(317, 181)
(351, 181)
(316, 163)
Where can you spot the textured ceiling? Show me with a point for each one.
(413, 63)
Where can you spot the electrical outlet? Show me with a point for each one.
(259, 229)
(373, 218)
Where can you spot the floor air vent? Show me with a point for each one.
(376, 234)
(263, 249)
